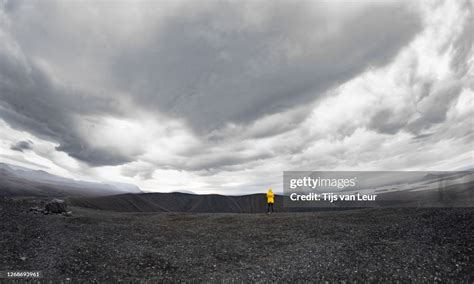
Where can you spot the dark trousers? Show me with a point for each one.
(270, 206)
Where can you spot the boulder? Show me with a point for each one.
(56, 206)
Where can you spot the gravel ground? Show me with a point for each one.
(422, 245)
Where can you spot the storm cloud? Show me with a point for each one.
(216, 90)
(30, 101)
(218, 64)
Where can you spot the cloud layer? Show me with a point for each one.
(224, 96)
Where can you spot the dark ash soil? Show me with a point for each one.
(423, 245)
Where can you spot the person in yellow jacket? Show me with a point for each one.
(270, 200)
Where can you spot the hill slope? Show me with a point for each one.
(178, 202)
(20, 181)
(460, 195)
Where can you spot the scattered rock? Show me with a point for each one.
(56, 206)
(36, 210)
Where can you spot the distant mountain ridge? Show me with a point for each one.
(437, 189)
(21, 181)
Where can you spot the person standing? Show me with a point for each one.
(270, 201)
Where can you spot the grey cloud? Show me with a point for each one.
(218, 161)
(144, 173)
(210, 63)
(245, 76)
(211, 67)
(22, 160)
(30, 101)
(384, 121)
(463, 45)
(434, 97)
(210, 159)
(438, 96)
(22, 145)
(423, 136)
(433, 108)
(266, 127)
(430, 108)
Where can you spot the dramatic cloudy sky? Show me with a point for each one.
(222, 96)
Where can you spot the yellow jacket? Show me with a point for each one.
(270, 196)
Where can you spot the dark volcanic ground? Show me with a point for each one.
(374, 244)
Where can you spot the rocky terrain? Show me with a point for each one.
(423, 245)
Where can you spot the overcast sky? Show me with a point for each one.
(223, 96)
